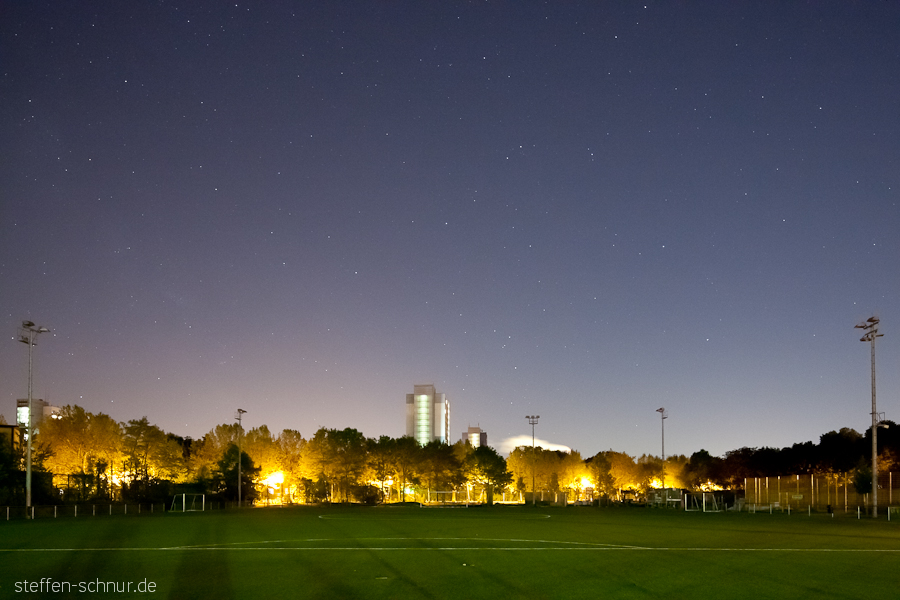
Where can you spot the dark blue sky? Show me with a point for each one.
(579, 210)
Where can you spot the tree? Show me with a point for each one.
(379, 464)
(338, 458)
(599, 467)
(348, 450)
(291, 446)
(571, 473)
(208, 450)
(488, 468)
(83, 444)
(439, 468)
(839, 451)
(227, 474)
(703, 469)
(623, 469)
(862, 478)
(405, 461)
(153, 460)
(263, 449)
(10, 483)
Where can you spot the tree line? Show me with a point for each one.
(80, 456)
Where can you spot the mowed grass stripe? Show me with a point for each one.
(448, 548)
(510, 552)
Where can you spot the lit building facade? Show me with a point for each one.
(42, 410)
(427, 415)
(475, 436)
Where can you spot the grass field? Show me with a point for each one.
(499, 552)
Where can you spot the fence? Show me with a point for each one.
(59, 511)
(818, 492)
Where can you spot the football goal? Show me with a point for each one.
(705, 501)
(188, 503)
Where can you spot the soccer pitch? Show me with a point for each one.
(410, 552)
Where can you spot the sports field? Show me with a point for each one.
(410, 552)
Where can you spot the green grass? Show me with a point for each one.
(499, 552)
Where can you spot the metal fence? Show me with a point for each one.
(818, 492)
(61, 511)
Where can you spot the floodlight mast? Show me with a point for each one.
(870, 327)
(237, 415)
(663, 415)
(27, 333)
(532, 420)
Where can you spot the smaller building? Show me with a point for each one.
(475, 436)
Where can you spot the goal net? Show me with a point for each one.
(444, 498)
(705, 501)
(188, 503)
(712, 503)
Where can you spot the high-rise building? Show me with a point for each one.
(475, 436)
(42, 410)
(427, 415)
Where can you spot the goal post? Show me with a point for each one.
(444, 498)
(711, 503)
(188, 503)
(703, 502)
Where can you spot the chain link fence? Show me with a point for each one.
(818, 492)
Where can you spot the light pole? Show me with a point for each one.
(532, 420)
(870, 327)
(27, 333)
(237, 415)
(663, 415)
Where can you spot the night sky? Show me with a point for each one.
(582, 210)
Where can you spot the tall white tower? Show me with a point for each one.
(427, 415)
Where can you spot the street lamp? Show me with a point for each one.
(237, 415)
(663, 415)
(532, 420)
(27, 333)
(870, 327)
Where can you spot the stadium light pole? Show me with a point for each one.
(237, 415)
(27, 333)
(532, 420)
(663, 415)
(870, 327)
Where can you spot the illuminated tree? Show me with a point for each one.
(208, 450)
(291, 447)
(519, 464)
(488, 469)
(259, 444)
(552, 468)
(379, 467)
(599, 467)
(624, 471)
(405, 458)
(152, 458)
(348, 451)
(439, 468)
(649, 472)
(571, 473)
(85, 445)
(336, 458)
(675, 466)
